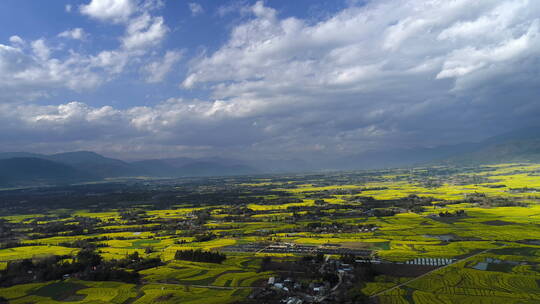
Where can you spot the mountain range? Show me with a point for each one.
(18, 168)
(521, 145)
(23, 168)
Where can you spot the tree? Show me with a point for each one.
(200, 256)
(88, 258)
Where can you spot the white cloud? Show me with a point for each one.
(76, 33)
(156, 71)
(109, 10)
(468, 60)
(490, 24)
(16, 40)
(195, 8)
(166, 116)
(35, 70)
(144, 31)
(386, 73)
(380, 61)
(150, 5)
(40, 49)
(368, 47)
(30, 73)
(169, 124)
(112, 61)
(68, 8)
(232, 7)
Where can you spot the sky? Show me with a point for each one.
(274, 79)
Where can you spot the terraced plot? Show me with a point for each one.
(71, 291)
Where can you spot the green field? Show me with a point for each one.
(402, 208)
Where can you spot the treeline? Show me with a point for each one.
(450, 214)
(86, 243)
(135, 262)
(197, 238)
(200, 256)
(483, 200)
(86, 265)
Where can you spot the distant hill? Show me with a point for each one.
(7, 155)
(156, 168)
(21, 168)
(515, 151)
(400, 157)
(215, 169)
(96, 164)
(90, 162)
(183, 167)
(521, 145)
(286, 165)
(30, 168)
(25, 170)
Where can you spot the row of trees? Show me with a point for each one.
(450, 214)
(200, 256)
(86, 265)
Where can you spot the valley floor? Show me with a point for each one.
(423, 235)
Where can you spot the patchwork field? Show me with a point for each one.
(483, 222)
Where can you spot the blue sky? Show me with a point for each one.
(190, 32)
(263, 79)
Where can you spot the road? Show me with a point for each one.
(322, 298)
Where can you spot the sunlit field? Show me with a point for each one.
(483, 220)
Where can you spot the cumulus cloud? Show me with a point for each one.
(195, 8)
(169, 125)
(384, 38)
(144, 31)
(113, 61)
(379, 67)
(29, 71)
(232, 7)
(34, 69)
(469, 59)
(76, 33)
(109, 10)
(40, 49)
(16, 40)
(156, 71)
(383, 74)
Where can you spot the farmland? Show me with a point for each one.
(418, 235)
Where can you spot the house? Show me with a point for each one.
(282, 287)
(319, 288)
(293, 300)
